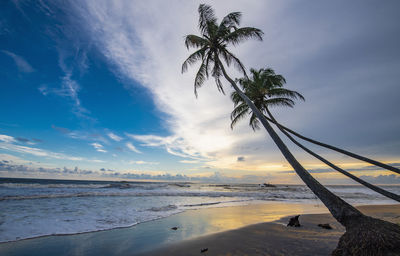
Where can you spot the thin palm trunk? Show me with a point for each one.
(341, 211)
(351, 176)
(345, 152)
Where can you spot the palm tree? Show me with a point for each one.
(265, 90)
(211, 48)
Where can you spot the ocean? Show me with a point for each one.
(38, 207)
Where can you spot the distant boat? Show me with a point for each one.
(266, 185)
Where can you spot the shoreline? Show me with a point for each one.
(192, 225)
(318, 206)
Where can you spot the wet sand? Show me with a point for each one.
(275, 238)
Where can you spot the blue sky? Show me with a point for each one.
(93, 89)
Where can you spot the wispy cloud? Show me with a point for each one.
(72, 47)
(37, 152)
(99, 147)
(21, 63)
(69, 89)
(143, 162)
(6, 138)
(8, 143)
(131, 147)
(63, 130)
(189, 161)
(27, 141)
(173, 144)
(81, 134)
(114, 137)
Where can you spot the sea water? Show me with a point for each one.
(38, 207)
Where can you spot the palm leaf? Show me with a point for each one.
(243, 34)
(254, 122)
(193, 58)
(195, 41)
(231, 20)
(200, 77)
(238, 109)
(238, 114)
(237, 63)
(281, 92)
(279, 102)
(217, 73)
(206, 17)
(236, 98)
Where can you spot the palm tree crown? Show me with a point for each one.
(213, 44)
(264, 89)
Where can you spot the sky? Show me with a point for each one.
(93, 90)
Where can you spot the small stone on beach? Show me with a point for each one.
(325, 226)
(294, 222)
(204, 250)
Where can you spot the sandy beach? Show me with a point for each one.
(258, 229)
(275, 238)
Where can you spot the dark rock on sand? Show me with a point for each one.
(294, 222)
(325, 226)
(174, 228)
(204, 250)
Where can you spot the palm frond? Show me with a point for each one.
(226, 57)
(239, 109)
(231, 20)
(271, 79)
(193, 58)
(238, 114)
(206, 17)
(242, 82)
(200, 77)
(195, 41)
(237, 63)
(281, 92)
(254, 122)
(208, 62)
(217, 73)
(219, 85)
(242, 34)
(279, 102)
(236, 98)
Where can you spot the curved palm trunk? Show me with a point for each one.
(345, 152)
(351, 176)
(341, 211)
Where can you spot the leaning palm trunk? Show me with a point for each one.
(345, 152)
(342, 211)
(378, 237)
(351, 176)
